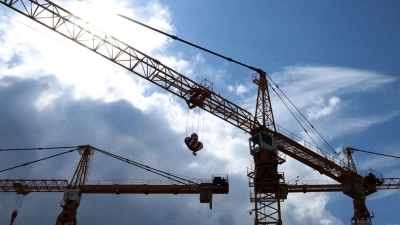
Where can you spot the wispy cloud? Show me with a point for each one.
(321, 109)
(343, 126)
(324, 93)
(307, 85)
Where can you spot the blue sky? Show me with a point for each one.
(336, 60)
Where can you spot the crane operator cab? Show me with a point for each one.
(262, 140)
(71, 195)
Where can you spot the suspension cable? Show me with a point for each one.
(26, 149)
(16, 203)
(375, 153)
(320, 136)
(191, 44)
(198, 120)
(301, 176)
(296, 119)
(19, 206)
(187, 122)
(27, 163)
(296, 174)
(148, 168)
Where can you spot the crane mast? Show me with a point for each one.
(73, 193)
(267, 139)
(264, 116)
(361, 214)
(265, 177)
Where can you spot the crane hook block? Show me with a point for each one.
(193, 144)
(13, 216)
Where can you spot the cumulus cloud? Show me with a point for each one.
(312, 211)
(117, 127)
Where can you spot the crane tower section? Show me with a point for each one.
(264, 118)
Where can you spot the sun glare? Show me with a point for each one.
(102, 14)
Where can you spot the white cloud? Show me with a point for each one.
(320, 109)
(312, 210)
(239, 89)
(305, 85)
(310, 87)
(76, 67)
(348, 125)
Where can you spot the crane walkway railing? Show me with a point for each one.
(335, 158)
(142, 182)
(313, 182)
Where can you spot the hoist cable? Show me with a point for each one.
(26, 149)
(202, 131)
(187, 122)
(198, 120)
(193, 121)
(148, 168)
(19, 206)
(27, 163)
(16, 203)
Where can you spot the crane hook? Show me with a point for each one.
(13, 216)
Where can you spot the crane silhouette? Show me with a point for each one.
(219, 184)
(268, 142)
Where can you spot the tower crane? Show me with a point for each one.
(78, 186)
(267, 140)
(361, 214)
